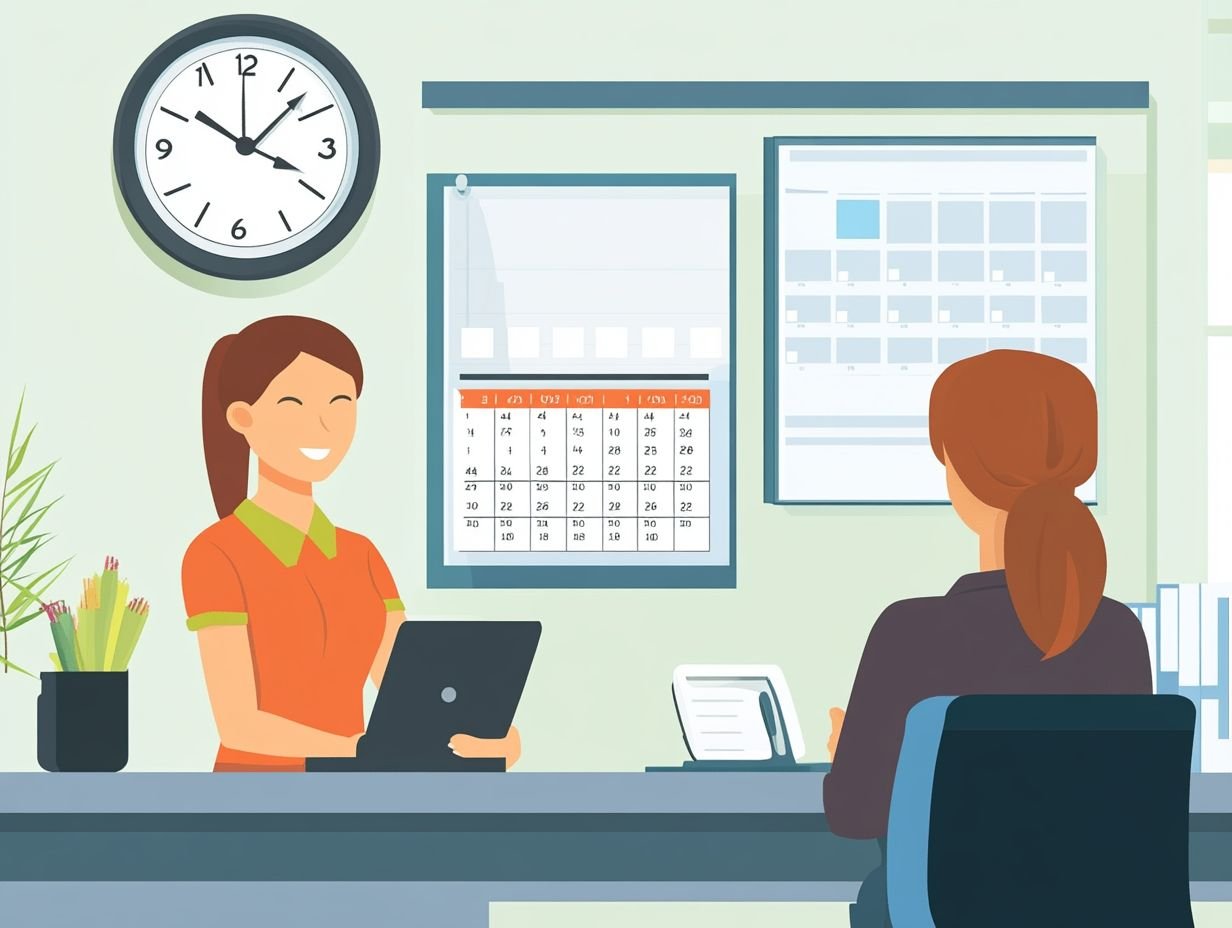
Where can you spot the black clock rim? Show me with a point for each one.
(123, 152)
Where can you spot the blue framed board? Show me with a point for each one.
(581, 380)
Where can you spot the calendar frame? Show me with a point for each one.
(583, 576)
(771, 363)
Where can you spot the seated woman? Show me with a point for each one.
(1017, 434)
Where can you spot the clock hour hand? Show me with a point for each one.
(201, 117)
(291, 105)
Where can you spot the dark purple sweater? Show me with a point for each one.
(968, 641)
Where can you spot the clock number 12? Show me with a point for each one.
(246, 65)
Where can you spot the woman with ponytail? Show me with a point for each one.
(292, 614)
(1017, 434)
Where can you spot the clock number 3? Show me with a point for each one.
(329, 144)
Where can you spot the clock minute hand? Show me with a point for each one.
(201, 117)
(280, 164)
(291, 105)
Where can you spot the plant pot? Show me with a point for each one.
(83, 721)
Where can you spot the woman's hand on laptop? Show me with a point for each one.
(508, 747)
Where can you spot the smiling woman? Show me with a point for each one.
(292, 614)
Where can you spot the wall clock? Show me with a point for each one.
(246, 147)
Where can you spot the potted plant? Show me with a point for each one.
(83, 708)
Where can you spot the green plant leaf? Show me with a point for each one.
(35, 518)
(34, 590)
(21, 486)
(9, 547)
(15, 463)
(16, 427)
(33, 491)
(37, 515)
(8, 663)
(18, 623)
(19, 563)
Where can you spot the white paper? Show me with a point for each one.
(611, 342)
(1169, 629)
(658, 342)
(1150, 619)
(476, 343)
(1209, 632)
(523, 341)
(568, 342)
(1189, 656)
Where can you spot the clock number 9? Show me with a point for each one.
(237, 230)
(246, 70)
(164, 147)
(328, 143)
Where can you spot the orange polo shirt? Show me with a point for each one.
(314, 605)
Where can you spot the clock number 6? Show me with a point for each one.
(237, 230)
(328, 143)
(246, 70)
(164, 147)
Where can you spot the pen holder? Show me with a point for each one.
(83, 721)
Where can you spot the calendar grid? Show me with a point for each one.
(554, 498)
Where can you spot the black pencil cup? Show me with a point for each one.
(83, 721)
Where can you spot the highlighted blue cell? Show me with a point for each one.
(859, 219)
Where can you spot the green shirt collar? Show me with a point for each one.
(284, 540)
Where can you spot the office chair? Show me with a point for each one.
(1042, 810)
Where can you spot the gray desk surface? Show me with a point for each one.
(717, 794)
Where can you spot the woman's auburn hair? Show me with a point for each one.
(1020, 430)
(239, 368)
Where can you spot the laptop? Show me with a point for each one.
(443, 678)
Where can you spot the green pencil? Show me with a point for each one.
(63, 634)
(87, 624)
(131, 626)
(110, 603)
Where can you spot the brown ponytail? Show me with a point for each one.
(238, 369)
(1021, 431)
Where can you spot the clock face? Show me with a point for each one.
(246, 147)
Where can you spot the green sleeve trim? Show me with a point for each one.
(206, 619)
(394, 605)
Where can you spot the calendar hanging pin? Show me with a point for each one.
(461, 185)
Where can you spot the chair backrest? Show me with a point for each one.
(1042, 810)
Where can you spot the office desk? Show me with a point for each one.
(200, 849)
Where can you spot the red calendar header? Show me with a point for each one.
(584, 399)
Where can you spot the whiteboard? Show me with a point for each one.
(887, 260)
(580, 384)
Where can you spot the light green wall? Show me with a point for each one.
(111, 344)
